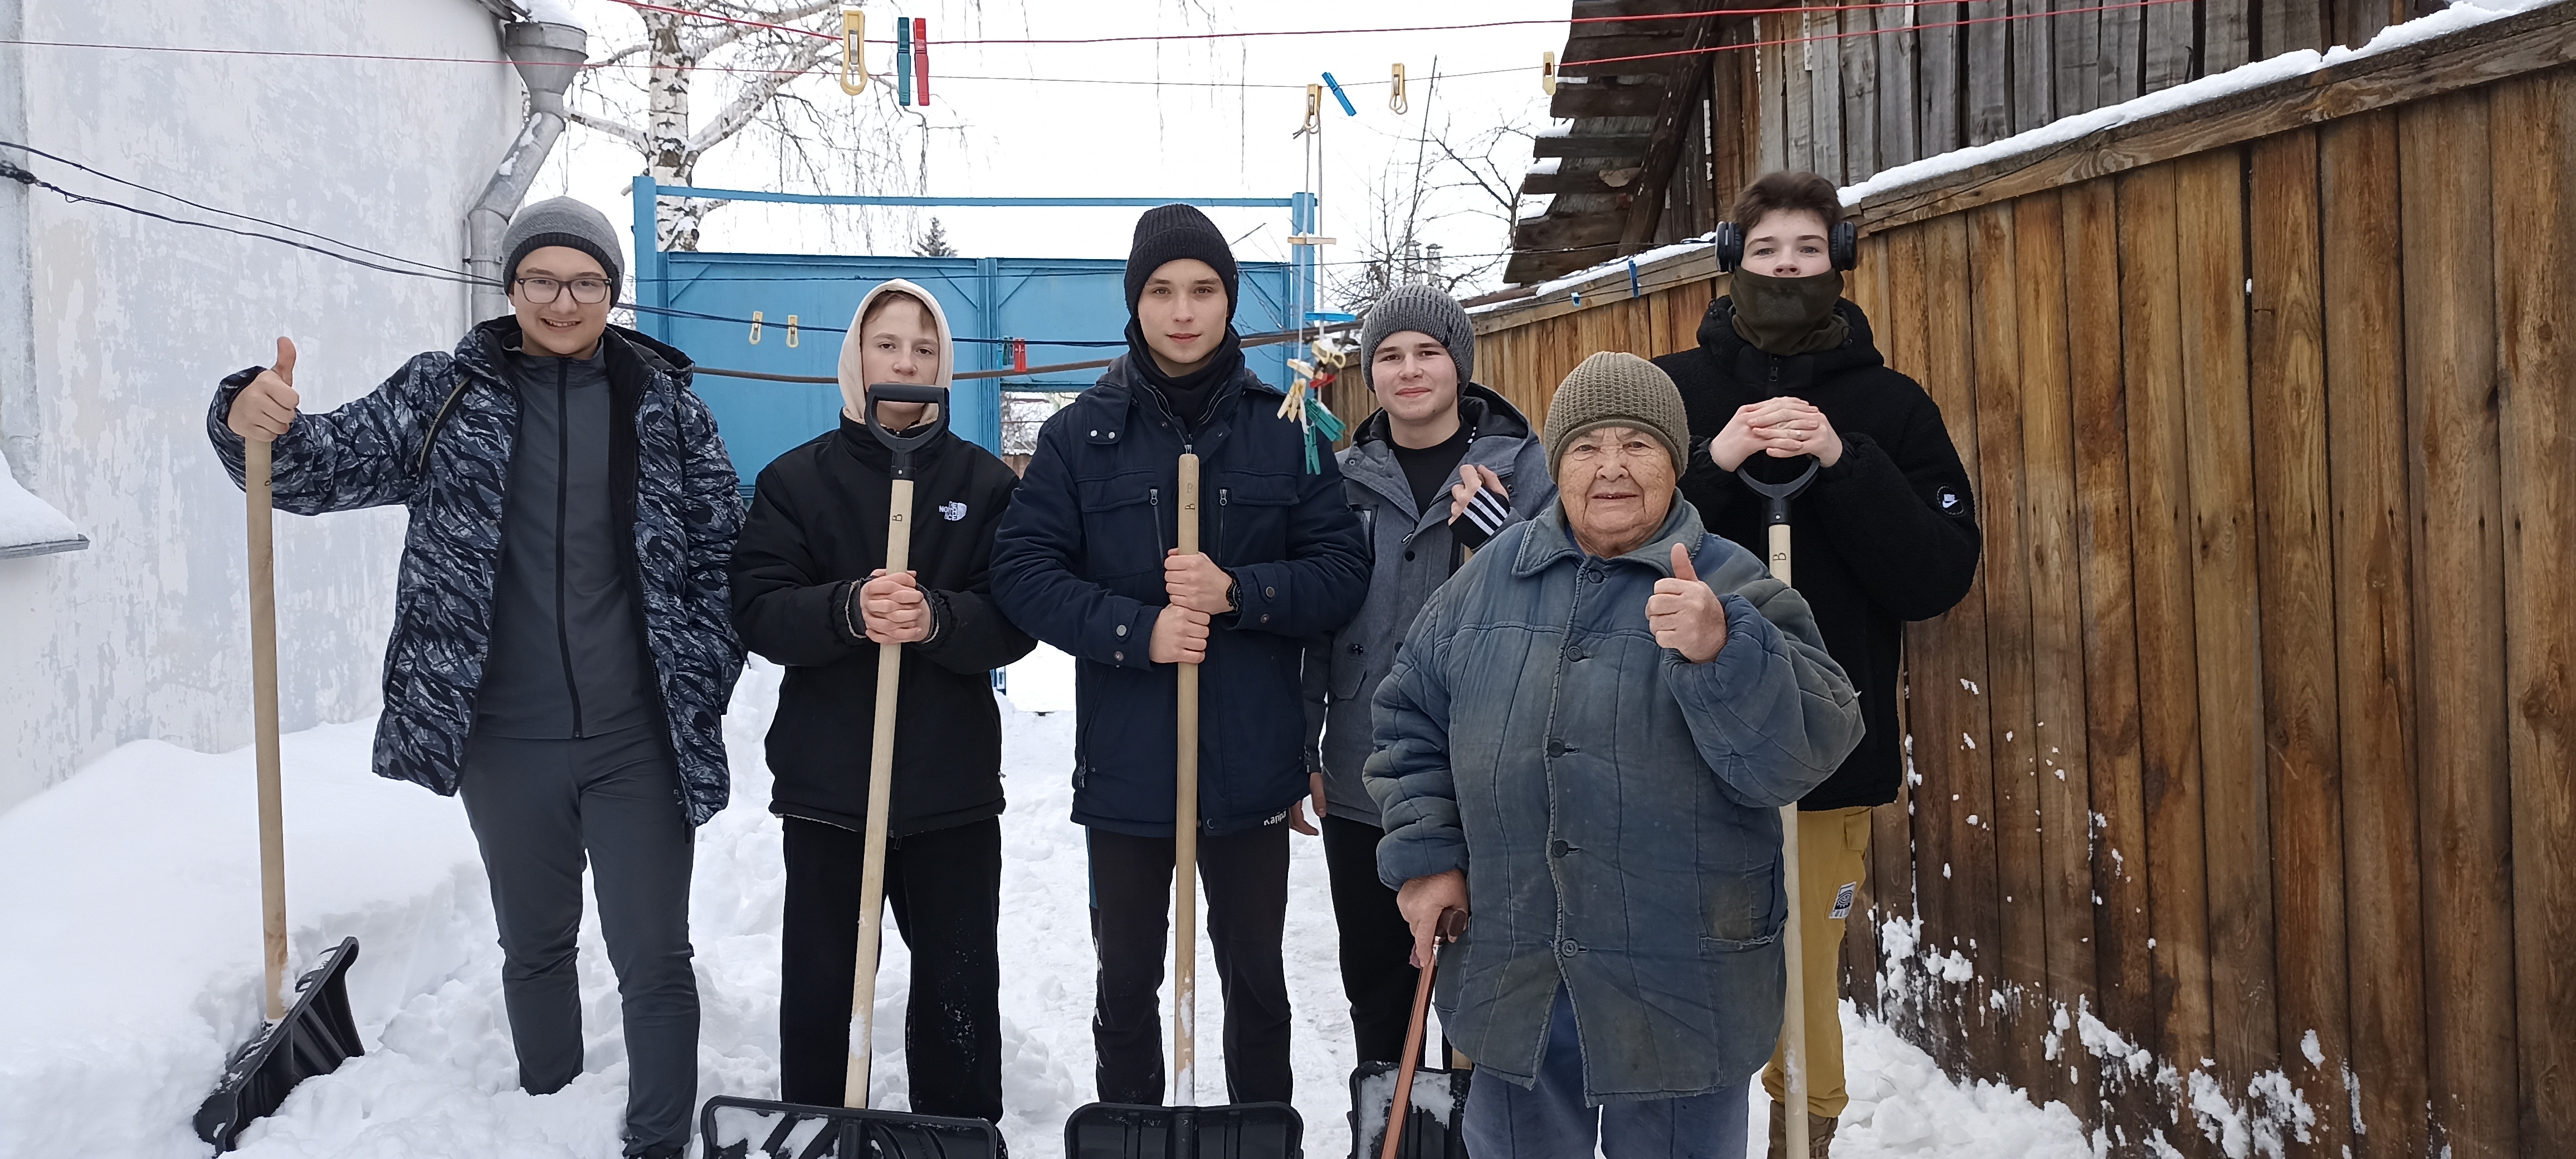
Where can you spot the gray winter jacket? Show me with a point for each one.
(1412, 555)
(1614, 806)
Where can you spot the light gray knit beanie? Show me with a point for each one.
(565, 222)
(1617, 389)
(1428, 310)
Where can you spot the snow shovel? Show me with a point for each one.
(1433, 1102)
(318, 1034)
(1181, 1131)
(728, 1126)
(1793, 1025)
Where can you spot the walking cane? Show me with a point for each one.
(1775, 515)
(863, 992)
(1185, 837)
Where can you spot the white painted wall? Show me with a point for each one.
(126, 324)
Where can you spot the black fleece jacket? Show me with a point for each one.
(817, 528)
(1885, 535)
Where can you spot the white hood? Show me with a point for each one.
(854, 387)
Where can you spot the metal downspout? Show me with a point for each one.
(548, 56)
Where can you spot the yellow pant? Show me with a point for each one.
(1832, 849)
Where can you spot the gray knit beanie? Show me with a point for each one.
(1428, 310)
(565, 222)
(1616, 389)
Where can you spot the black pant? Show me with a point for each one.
(1378, 973)
(945, 888)
(536, 807)
(1246, 877)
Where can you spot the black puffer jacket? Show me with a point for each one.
(818, 524)
(1885, 535)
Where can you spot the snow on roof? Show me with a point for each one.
(1544, 166)
(30, 526)
(2463, 14)
(553, 12)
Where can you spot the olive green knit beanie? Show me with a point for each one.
(1616, 389)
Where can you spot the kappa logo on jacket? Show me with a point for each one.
(953, 511)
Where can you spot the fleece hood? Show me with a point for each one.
(854, 386)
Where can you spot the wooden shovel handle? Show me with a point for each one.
(863, 981)
(1185, 833)
(263, 695)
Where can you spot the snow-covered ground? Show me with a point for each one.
(131, 966)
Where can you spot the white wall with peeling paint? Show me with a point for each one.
(114, 329)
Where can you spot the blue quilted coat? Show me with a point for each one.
(436, 437)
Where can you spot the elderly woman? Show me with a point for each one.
(1589, 731)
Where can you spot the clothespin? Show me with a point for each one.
(1314, 112)
(1574, 296)
(1396, 102)
(921, 56)
(1547, 73)
(791, 331)
(1339, 95)
(1632, 277)
(903, 61)
(755, 327)
(854, 62)
(1020, 355)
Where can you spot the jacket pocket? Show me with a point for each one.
(1121, 527)
(1252, 516)
(1740, 909)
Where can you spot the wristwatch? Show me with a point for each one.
(1233, 592)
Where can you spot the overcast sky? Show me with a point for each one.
(1006, 135)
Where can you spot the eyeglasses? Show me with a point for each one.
(540, 291)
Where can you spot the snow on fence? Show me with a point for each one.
(2243, 811)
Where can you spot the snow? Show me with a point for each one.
(554, 12)
(1544, 167)
(26, 520)
(133, 962)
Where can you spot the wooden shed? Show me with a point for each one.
(2244, 781)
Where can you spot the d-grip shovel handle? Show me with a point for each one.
(1453, 923)
(920, 434)
(1778, 495)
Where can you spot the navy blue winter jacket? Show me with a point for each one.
(436, 437)
(1078, 563)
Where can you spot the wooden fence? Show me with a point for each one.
(2253, 751)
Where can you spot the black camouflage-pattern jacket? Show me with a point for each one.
(436, 437)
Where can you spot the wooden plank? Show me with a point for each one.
(2168, 704)
(1931, 703)
(1773, 88)
(2535, 119)
(1621, 145)
(2294, 521)
(2209, 194)
(1987, 70)
(2530, 41)
(1860, 95)
(1676, 121)
(2124, 55)
(2374, 629)
(1798, 79)
(2359, 20)
(2172, 38)
(2124, 983)
(2034, 64)
(2226, 34)
(2291, 25)
(2076, 32)
(2057, 749)
(2459, 613)
(1941, 42)
(1824, 63)
(1730, 127)
(2014, 824)
(1608, 97)
(1899, 115)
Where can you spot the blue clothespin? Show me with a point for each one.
(1575, 296)
(1338, 95)
(903, 62)
(1632, 277)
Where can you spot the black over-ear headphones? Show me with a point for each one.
(1842, 242)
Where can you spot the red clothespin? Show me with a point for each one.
(921, 56)
(1020, 355)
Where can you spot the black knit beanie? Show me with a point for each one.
(1168, 233)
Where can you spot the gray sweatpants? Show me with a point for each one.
(536, 807)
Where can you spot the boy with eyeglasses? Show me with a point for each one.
(563, 646)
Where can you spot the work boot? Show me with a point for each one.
(1820, 1134)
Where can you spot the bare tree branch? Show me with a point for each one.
(756, 93)
(627, 133)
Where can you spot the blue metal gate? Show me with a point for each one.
(706, 304)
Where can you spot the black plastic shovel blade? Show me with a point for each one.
(1431, 1127)
(1234, 1131)
(315, 1037)
(732, 1128)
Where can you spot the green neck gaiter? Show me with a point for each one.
(1787, 316)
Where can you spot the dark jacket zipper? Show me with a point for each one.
(1222, 497)
(1154, 500)
(563, 497)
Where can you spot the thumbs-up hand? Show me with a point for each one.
(1685, 614)
(263, 409)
